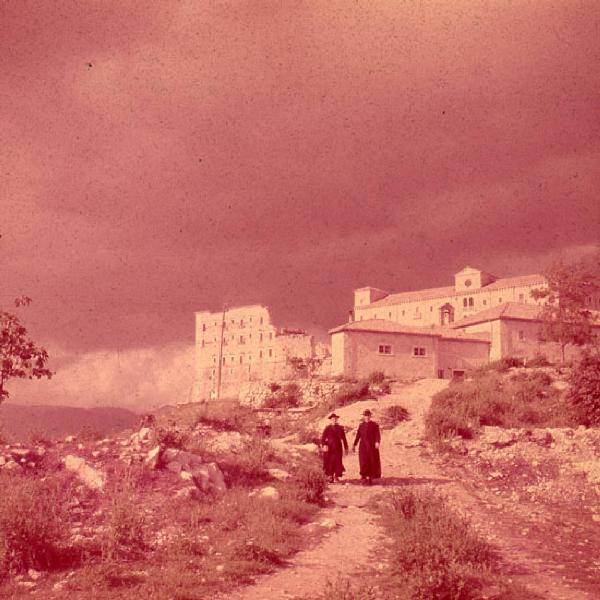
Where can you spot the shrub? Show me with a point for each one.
(522, 399)
(286, 397)
(376, 377)
(172, 437)
(33, 522)
(309, 482)
(125, 536)
(434, 552)
(350, 392)
(249, 466)
(392, 416)
(584, 391)
(539, 360)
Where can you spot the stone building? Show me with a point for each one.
(473, 291)
(241, 344)
(359, 348)
(444, 331)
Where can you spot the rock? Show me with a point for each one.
(279, 474)
(269, 492)
(186, 476)
(208, 477)
(189, 492)
(33, 574)
(153, 457)
(328, 523)
(88, 475)
(70, 439)
(2, 461)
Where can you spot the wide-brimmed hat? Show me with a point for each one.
(333, 416)
(367, 413)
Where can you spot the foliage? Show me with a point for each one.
(344, 589)
(20, 358)
(566, 318)
(286, 397)
(350, 392)
(392, 416)
(523, 399)
(434, 552)
(309, 481)
(32, 522)
(172, 437)
(539, 360)
(376, 377)
(305, 366)
(125, 535)
(584, 391)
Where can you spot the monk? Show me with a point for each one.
(369, 438)
(333, 442)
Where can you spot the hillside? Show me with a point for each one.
(19, 423)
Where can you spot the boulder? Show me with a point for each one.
(269, 492)
(91, 477)
(279, 474)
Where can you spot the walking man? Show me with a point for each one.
(334, 444)
(368, 437)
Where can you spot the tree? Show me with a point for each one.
(20, 358)
(565, 315)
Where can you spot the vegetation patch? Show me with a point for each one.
(521, 399)
(392, 416)
(584, 391)
(434, 553)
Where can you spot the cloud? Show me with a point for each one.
(139, 379)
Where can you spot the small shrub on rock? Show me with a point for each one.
(584, 391)
(286, 397)
(309, 482)
(392, 416)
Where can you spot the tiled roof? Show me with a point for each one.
(383, 326)
(443, 292)
(507, 310)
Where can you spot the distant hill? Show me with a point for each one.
(18, 422)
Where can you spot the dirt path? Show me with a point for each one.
(354, 543)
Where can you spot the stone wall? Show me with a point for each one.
(255, 393)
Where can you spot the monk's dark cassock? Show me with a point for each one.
(368, 455)
(334, 439)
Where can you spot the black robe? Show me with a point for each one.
(334, 442)
(368, 455)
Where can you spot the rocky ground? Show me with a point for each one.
(533, 494)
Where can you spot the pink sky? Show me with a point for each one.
(165, 157)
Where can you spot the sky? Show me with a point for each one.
(166, 157)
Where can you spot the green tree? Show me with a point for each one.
(20, 358)
(566, 317)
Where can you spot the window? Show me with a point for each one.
(260, 339)
(375, 316)
(389, 315)
(465, 302)
(270, 352)
(232, 358)
(471, 302)
(223, 360)
(261, 320)
(431, 309)
(214, 359)
(241, 322)
(202, 343)
(203, 326)
(242, 339)
(260, 354)
(521, 335)
(241, 359)
(521, 297)
(485, 302)
(419, 351)
(403, 313)
(499, 300)
(270, 335)
(385, 349)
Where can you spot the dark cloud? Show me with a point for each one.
(167, 158)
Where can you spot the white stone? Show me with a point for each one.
(88, 475)
(328, 523)
(33, 574)
(269, 492)
(279, 474)
(186, 475)
(153, 456)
